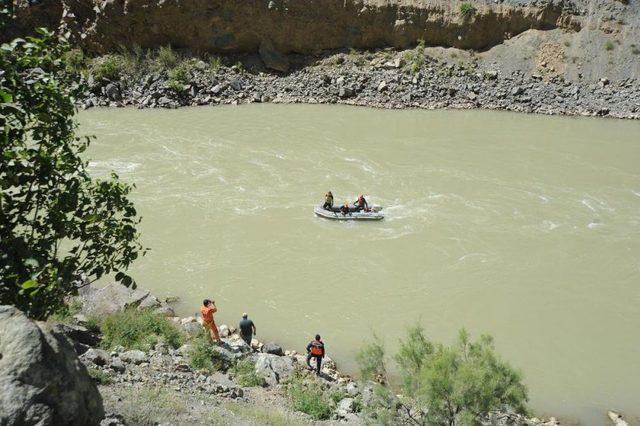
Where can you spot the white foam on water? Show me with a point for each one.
(549, 225)
(115, 165)
(636, 193)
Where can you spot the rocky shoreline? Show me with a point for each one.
(164, 367)
(59, 370)
(383, 79)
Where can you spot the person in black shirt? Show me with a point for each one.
(247, 329)
(315, 349)
(345, 209)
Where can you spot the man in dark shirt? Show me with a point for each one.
(247, 329)
(315, 349)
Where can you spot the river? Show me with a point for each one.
(524, 227)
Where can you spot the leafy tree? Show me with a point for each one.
(452, 385)
(59, 228)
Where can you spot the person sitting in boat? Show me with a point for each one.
(345, 209)
(362, 204)
(328, 201)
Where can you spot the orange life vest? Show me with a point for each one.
(317, 348)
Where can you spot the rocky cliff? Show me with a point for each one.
(302, 26)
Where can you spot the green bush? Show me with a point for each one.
(175, 86)
(134, 329)
(371, 361)
(75, 60)
(203, 355)
(609, 45)
(152, 406)
(215, 63)
(181, 73)
(100, 376)
(110, 67)
(414, 59)
(166, 57)
(245, 374)
(308, 397)
(458, 384)
(467, 9)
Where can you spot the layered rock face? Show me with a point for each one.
(42, 381)
(291, 25)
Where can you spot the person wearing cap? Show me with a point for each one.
(247, 329)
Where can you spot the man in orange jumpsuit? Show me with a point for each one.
(207, 310)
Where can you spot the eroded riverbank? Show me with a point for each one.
(383, 79)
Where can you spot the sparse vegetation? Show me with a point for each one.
(635, 49)
(151, 406)
(609, 45)
(109, 67)
(203, 355)
(75, 60)
(262, 416)
(135, 329)
(66, 312)
(245, 374)
(467, 10)
(458, 384)
(100, 376)
(371, 361)
(215, 63)
(308, 397)
(166, 57)
(414, 59)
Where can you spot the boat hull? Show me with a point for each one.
(353, 215)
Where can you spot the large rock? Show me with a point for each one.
(79, 334)
(345, 406)
(134, 356)
(42, 381)
(272, 348)
(272, 58)
(116, 297)
(274, 368)
(235, 344)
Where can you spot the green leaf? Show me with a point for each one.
(29, 284)
(6, 96)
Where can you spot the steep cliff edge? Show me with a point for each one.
(295, 26)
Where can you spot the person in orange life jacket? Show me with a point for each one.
(207, 310)
(345, 209)
(315, 349)
(362, 203)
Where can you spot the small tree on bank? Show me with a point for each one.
(451, 385)
(59, 228)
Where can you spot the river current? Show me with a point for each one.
(523, 227)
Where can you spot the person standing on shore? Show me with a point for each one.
(247, 329)
(207, 310)
(315, 349)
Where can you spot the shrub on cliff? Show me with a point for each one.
(138, 329)
(456, 384)
(59, 227)
(309, 397)
(203, 355)
(467, 9)
(245, 374)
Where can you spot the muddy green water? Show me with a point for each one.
(524, 227)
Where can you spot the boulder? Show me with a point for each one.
(112, 91)
(274, 368)
(272, 58)
(134, 357)
(114, 298)
(272, 348)
(352, 389)
(96, 356)
(223, 331)
(42, 381)
(78, 333)
(117, 365)
(235, 344)
(192, 329)
(345, 406)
